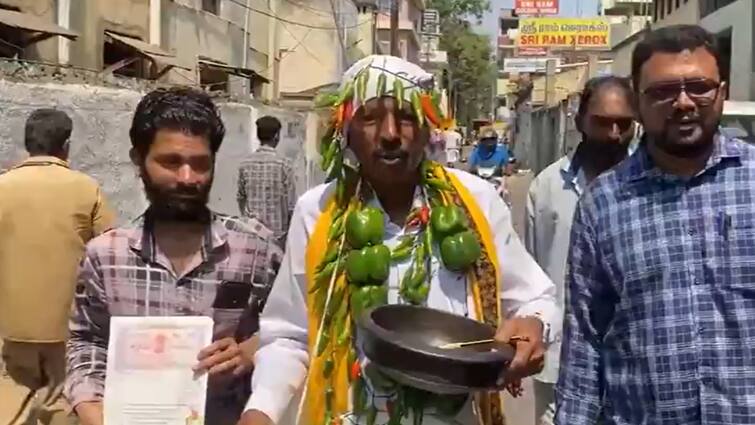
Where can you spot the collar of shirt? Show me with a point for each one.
(42, 160)
(572, 173)
(643, 167)
(142, 240)
(266, 149)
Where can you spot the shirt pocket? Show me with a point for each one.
(231, 299)
(737, 235)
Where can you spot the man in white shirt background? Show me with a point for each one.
(606, 120)
(453, 146)
(388, 141)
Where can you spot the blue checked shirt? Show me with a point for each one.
(660, 299)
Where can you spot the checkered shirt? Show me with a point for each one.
(660, 303)
(267, 190)
(125, 274)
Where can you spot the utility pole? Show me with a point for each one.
(336, 9)
(394, 28)
(550, 82)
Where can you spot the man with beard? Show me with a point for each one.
(660, 288)
(178, 259)
(606, 120)
(384, 193)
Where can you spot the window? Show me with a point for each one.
(669, 6)
(123, 61)
(213, 79)
(212, 6)
(12, 40)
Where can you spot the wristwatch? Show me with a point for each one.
(546, 328)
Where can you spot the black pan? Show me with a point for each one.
(403, 341)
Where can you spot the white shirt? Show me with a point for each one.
(453, 139)
(551, 203)
(282, 360)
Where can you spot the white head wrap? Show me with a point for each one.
(413, 80)
(412, 76)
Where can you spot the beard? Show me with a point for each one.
(603, 154)
(687, 135)
(183, 203)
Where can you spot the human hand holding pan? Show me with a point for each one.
(513, 386)
(405, 341)
(526, 335)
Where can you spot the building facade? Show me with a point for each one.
(222, 45)
(409, 28)
(731, 20)
(313, 57)
(627, 17)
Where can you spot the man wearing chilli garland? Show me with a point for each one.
(391, 227)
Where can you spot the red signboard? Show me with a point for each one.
(536, 7)
(532, 51)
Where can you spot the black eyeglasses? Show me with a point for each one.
(702, 91)
(623, 124)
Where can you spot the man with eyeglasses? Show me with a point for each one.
(660, 287)
(605, 119)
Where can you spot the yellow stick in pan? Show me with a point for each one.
(455, 345)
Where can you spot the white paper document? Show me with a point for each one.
(149, 377)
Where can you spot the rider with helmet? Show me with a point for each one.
(489, 158)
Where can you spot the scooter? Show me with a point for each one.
(488, 173)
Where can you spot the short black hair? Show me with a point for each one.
(267, 128)
(182, 109)
(47, 131)
(673, 39)
(594, 85)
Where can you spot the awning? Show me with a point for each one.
(233, 70)
(31, 23)
(160, 56)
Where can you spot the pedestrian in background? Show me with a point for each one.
(222, 266)
(606, 120)
(660, 287)
(266, 184)
(453, 146)
(48, 212)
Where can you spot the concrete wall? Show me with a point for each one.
(189, 30)
(186, 30)
(314, 57)
(622, 59)
(546, 134)
(93, 17)
(687, 13)
(740, 18)
(100, 144)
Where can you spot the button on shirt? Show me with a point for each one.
(283, 357)
(48, 212)
(551, 202)
(267, 190)
(124, 273)
(660, 317)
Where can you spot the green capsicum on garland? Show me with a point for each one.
(356, 251)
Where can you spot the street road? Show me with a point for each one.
(520, 411)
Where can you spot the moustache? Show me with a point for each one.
(684, 118)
